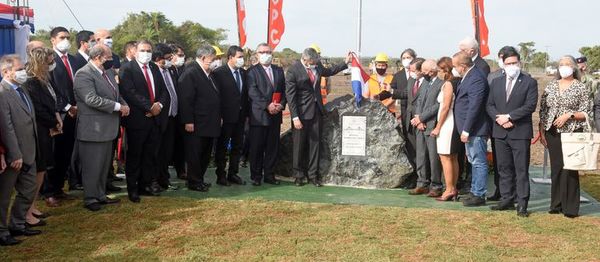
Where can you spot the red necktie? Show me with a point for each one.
(415, 88)
(148, 83)
(311, 76)
(68, 66)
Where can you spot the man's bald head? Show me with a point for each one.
(33, 45)
(429, 65)
(102, 34)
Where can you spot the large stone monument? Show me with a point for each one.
(360, 147)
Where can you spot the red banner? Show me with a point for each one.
(241, 21)
(276, 25)
(484, 48)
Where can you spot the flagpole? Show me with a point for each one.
(476, 7)
(268, 21)
(237, 14)
(358, 36)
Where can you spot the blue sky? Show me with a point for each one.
(433, 28)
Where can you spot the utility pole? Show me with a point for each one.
(547, 57)
(359, 29)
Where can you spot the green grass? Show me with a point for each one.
(185, 229)
(590, 183)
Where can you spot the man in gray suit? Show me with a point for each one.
(100, 106)
(17, 122)
(425, 120)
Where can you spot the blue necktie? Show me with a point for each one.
(237, 80)
(24, 98)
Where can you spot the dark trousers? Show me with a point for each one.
(197, 154)
(513, 169)
(306, 151)
(246, 146)
(179, 149)
(495, 168)
(410, 149)
(141, 165)
(235, 133)
(24, 185)
(564, 192)
(263, 151)
(63, 150)
(429, 168)
(167, 147)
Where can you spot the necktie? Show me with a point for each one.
(509, 88)
(109, 83)
(65, 60)
(237, 80)
(24, 98)
(172, 94)
(311, 76)
(148, 83)
(415, 88)
(270, 76)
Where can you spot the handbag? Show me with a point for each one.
(580, 150)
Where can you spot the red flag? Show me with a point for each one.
(484, 48)
(241, 21)
(276, 26)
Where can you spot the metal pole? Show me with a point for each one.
(359, 30)
(268, 21)
(476, 11)
(237, 14)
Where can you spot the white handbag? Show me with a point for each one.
(580, 150)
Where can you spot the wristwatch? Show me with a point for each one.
(572, 116)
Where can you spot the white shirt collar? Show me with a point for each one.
(85, 56)
(142, 65)
(60, 54)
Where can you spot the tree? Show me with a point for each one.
(44, 36)
(593, 57)
(192, 35)
(526, 50)
(538, 59)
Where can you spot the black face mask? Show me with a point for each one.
(380, 71)
(108, 64)
(427, 77)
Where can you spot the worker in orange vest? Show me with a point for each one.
(380, 81)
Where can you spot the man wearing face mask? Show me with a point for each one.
(143, 87)
(18, 125)
(101, 106)
(380, 81)
(400, 81)
(231, 79)
(511, 103)
(472, 123)
(303, 92)
(427, 160)
(266, 94)
(130, 50)
(178, 61)
(471, 47)
(62, 78)
(200, 112)
(104, 36)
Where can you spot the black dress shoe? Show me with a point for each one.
(298, 182)
(222, 181)
(494, 197)
(474, 201)
(235, 179)
(40, 223)
(200, 188)
(9, 241)
(271, 181)
(24, 232)
(503, 206)
(169, 187)
(149, 191)
(117, 179)
(554, 211)
(109, 201)
(256, 183)
(42, 215)
(522, 212)
(112, 188)
(135, 198)
(570, 215)
(207, 185)
(94, 206)
(316, 182)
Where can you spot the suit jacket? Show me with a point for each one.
(399, 84)
(260, 94)
(234, 104)
(412, 101)
(428, 105)
(304, 97)
(482, 65)
(62, 83)
(44, 104)
(80, 62)
(134, 90)
(17, 122)
(520, 106)
(199, 101)
(494, 75)
(469, 104)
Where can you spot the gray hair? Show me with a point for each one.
(205, 50)
(469, 42)
(310, 54)
(431, 64)
(576, 71)
(7, 62)
(98, 50)
(261, 45)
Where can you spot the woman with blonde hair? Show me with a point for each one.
(48, 121)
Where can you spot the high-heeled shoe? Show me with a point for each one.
(452, 196)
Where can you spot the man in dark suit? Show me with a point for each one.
(303, 93)
(200, 112)
(17, 122)
(178, 61)
(143, 87)
(62, 80)
(266, 94)
(85, 41)
(511, 103)
(429, 167)
(231, 80)
(100, 106)
(472, 123)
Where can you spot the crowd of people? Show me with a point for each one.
(65, 118)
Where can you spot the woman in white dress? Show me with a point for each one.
(447, 137)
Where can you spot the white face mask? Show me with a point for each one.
(455, 73)
(265, 59)
(168, 64)
(144, 57)
(21, 76)
(180, 60)
(500, 63)
(108, 42)
(63, 46)
(565, 71)
(239, 63)
(214, 65)
(512, 71)
(406, 62)
(52, 66)
(413, 75)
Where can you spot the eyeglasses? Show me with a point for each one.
(264, 52)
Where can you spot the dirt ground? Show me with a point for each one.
(340, 85)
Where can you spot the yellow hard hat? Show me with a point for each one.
(316, 48)
(218, 50)
(381, 58)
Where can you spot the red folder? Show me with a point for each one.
(276, 98)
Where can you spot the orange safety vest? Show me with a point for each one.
(375, 88)
(324, 91)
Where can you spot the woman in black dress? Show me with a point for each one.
(49, 124)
